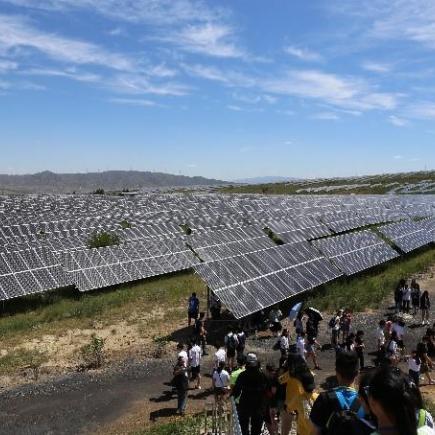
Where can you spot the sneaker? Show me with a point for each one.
(198, 387)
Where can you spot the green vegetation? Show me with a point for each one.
(99, 191)
(185, 426)
(93, 352)
(125, 224)
(367, 291)
(58, 312)
(102, 239)
(374, 185)
(22, 358)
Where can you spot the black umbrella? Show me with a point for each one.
(315, 313)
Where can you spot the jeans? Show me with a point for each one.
(414, 377)
(181, 400)
(361, 359)
(256, 422)
(405, 306)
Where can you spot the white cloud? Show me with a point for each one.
(398, 157)
(326, 116)
(139, 84)
(7, 65)
(228, 77)
(344, 92)
(235, 108)
(16, 32)
(303, 54)
(422, 110)
(376, 67)
(211, 39)
(155, 12)
(133, 102)
(69, 73)
(398, 122)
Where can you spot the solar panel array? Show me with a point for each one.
(250, 282)
(91, 269)
(355, 252)
(226, 230)
(229, 242)
(29, 271)
(410, 235)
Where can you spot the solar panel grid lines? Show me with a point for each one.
(357, 251)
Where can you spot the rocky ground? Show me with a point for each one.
(131, 394)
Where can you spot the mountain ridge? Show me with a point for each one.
(48, 181)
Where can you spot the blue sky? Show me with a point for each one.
(223, 89)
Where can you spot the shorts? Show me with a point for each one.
(310, 348)
(231, 353)
(192, 314)
(195, 371)
(220, 391)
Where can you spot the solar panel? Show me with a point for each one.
(410, 235)
(257, 280)
(357, 251)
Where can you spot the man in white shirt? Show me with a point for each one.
(220, 356)
(221, 382)
(399, 327)
(380, 335)
(300, 345)
(406, 298)
(182, 353)
(195, 355)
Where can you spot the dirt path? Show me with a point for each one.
(132, 394)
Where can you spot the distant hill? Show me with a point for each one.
(265, 179)
(87, 182)
(401, 183)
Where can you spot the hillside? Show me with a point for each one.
(86, 182)
(402, 183)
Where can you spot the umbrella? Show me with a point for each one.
(315, 313)
(293, 313)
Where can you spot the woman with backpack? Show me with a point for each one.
(393, 400)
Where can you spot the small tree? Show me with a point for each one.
(102, 239)
(99, 191)
(93, 353)
(125, 224)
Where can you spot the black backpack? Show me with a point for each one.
(231, 342)
(344, 420)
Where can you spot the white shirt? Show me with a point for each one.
(183, 355)
(400, 330)
(407, 294)
(283, 342)
(195, 356)
(412, 365)
(221, 379)
(392, 348)
(219, 356)
(380, 336)
(300, 346)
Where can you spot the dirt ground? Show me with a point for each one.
(131, 392)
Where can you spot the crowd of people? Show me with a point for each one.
(376, 399)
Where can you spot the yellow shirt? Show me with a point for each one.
(297, 399)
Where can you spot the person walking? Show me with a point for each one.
(231, 343)
(195, 355)
(415, 296)
(200, 332)
(337, 400)
(221, 383)
(359, 348)
(241, 341)
(398, 295)
(392, 400)
(181, 383)
(251, 386)
(300, 396)
(334, 324)
(425, 307)
(220, 355)
(406, 299)
(284, 345)
(310, 348)
(192, 308)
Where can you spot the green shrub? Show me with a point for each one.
(186, 426)
(102, 239)
(125, 224)
(98, 191)
(93, 352)
(22, 358)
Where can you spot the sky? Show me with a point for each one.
(225, 89)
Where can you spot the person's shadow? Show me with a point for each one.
(161, 413)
